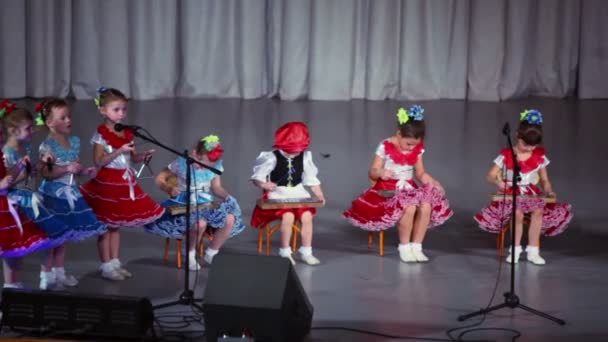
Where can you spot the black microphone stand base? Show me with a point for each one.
(511, 301)
(186, 298)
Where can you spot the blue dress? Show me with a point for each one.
(62, 197)
(31, 203)
(174, 226)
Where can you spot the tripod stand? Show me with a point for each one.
(187, 296)
(511, 299)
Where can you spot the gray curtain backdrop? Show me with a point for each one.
(324, 50)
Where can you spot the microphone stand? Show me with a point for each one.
(187, 296)
(511, 299)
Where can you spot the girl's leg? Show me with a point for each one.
(286, 230)
(306, 231)
(532, 251)
(519, 222)
(405, 227)
(421, 224)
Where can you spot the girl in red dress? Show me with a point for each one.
(395, 198)
(113, 194)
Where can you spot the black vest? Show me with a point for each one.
(281, 175)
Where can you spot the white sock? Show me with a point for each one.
(416, 246)
(532, 249)
(211, 252)
(284, 252)
(49, 276)
(59, 272)
(404, 246)
(107, 266)
(116, 263)
(305, 251)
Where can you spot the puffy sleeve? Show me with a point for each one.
(380, 151)
(10, 157)
(546, 162)
(264, 164)
(98, 139)
(45, 150)
(309, 176)
(500, 161)
(177, 166)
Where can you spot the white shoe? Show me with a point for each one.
(419, 256)
(510, 258)
(17, 285)
(47, 280)
(124, 272)
(193, 265)
(208, 258)
(406, 254)
(112, 274)
(533, 256)
(310, 259)
(290, 258)
(68, 280)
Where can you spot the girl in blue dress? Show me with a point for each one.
(223, 214)
(59, 156)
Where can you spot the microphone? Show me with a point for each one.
(506, 129)
(119, 127)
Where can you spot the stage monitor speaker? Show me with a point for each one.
(256, 296)
(63, 313)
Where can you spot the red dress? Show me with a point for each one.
(113, 194)
(17, 239)
(497, 214)
(374, 211)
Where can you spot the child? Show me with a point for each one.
(395, 198)
(59, 153)
(18, 235)
(282, 174)
(113, 194)
(550, 219)
(224, 218)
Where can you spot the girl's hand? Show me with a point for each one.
(551, 194)
(386, 174)
(174, 191)
(129, 147)
(502, 186)
(268, 186)
(438, 186)
(90, 171)
(74, 168)
(6, 182)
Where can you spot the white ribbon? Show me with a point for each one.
(15, 214)
(129, 178)
(404, 184)
(70, 195)
(36, 204)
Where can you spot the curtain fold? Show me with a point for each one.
(324, 50)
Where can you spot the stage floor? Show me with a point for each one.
(354, 287)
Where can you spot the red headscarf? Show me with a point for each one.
(292, 137)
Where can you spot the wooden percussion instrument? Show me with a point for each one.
(312, 202)
(498, 197)
(181, 209)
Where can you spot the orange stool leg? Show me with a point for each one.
(167, 246)
(381, 243)
(370, 239)
(268, 235)
(294, 237)
(260, 239)
(201, 247)
(178, 244)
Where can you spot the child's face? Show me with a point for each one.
(115, 111)
(60, 120)
(522, 147)
(406, 143)
(23, 132)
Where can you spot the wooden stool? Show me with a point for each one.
(178, 248)
(370, 240)
(269, 229)
(500, 239)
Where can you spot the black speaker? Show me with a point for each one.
(256, 296)
(64, 313)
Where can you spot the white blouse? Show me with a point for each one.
(267, 161)
(402, 172)
(530, 177)
(123, 161)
